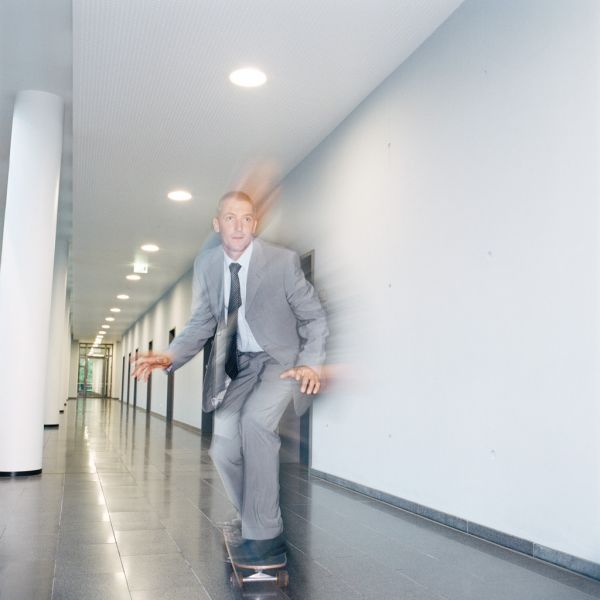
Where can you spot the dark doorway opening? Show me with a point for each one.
(170, 385)
(207, 418)
(149, 384)
(128, 376)
(135, 380)
(294, 430)
(123, 379)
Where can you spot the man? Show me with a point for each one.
(270, 332)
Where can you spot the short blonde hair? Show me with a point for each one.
(235, 194)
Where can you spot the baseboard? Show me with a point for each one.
(163, 418)
(187, 427)
(578, 565)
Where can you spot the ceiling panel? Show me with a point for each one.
(153, 110)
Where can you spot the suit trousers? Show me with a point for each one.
(245, 444)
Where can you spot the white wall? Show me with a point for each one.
(171, 311)
(455, 220)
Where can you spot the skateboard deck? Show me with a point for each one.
(242, 573)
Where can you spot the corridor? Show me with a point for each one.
(126, 508)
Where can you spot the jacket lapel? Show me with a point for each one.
(255, 272)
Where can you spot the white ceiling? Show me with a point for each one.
(153, 110)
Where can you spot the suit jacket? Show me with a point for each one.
(282, 310)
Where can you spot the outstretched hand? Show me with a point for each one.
(311, 382)
(145, 362)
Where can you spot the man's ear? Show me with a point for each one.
(255, 226)
(216, 224)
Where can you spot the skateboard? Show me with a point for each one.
(242, 573)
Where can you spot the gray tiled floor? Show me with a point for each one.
(126, 508)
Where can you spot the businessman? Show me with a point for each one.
(269, 344)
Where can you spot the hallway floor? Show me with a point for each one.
(126, 506)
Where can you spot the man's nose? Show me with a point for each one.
(239, 226)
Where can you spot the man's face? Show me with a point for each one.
(236, 223)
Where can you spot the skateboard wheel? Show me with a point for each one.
(283, 578)
(235, 582)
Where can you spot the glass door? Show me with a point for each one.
(95, 371)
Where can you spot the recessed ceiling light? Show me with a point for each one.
(102, 333)
(106, 326)
(150, 248)
(123, 297)
(179, 196)
(248, 77)
(133, 277)
(115, 310)
(109, 319)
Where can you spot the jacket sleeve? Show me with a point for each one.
(201, 325)
(306, 306)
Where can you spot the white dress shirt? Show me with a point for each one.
(245, 339)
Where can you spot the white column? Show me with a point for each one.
(26, 277)
(56, 343)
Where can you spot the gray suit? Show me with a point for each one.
(288, 322)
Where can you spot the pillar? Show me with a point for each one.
(56, 344)
(26, 277)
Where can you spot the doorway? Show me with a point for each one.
(128, 375)
(149, 384)
(135, 381)
(170, 385)
(95, 371)
(123, 379)
(207, 417)
(294, 430)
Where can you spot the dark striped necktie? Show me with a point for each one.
(235, 301)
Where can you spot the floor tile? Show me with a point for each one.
(129, 521)
(158, 572)
(28, 546)
(144, 542)
(87, 559)
(128, 505)
(26, 580)
(178, 593)
(87, 533)
(94, 586)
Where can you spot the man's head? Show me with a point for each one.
(235, 222)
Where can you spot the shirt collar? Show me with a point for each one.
(243, 260)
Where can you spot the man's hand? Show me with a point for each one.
(311, 382)
(145, 362)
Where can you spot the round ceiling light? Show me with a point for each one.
(248, 77)
(109, 319)
(115, 309)
(133, 277)
(105, 326)
(150, 248)
(123, 297)
(102, 333)
(179, 196)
